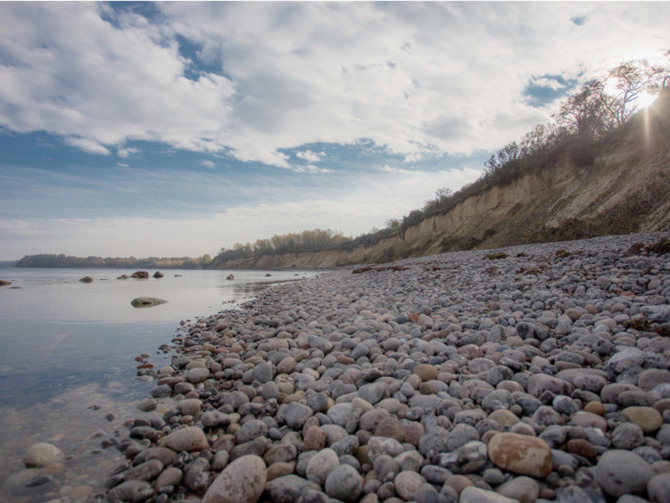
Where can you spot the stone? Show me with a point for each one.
(189, 406)
(622, 472)
(41, 454)
(426, 372)
(131, 490)
(147, 302)
(520, 454)
(344, 483)
(315, 439)
(171, 476)
(148, 470)
(522, 489)
(296, 414)
(539, 383)
(242, 481)
(140, 275)
(321, 464)
(86, 279)
(196, 375)
(215, 419)
(188, 439)
(472, 494)
(658, 488)
(383, 445)
(290, 488)
(391, 427)
(406, 484)
(647, 418)
(627, 436)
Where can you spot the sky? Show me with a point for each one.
(176, 129)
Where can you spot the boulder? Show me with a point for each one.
(146, 302)
(140, 275)
(4, 282)
(123, 276)
(230, 277)
(86, 279)
(158, 274)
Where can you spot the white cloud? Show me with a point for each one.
(418, 78)
(208, 164)
(88, 145)
(126, 152)
(309, 156)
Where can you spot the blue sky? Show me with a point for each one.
(172, 129)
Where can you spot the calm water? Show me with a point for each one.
(67, 359)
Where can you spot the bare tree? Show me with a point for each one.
(586, 113)
(628, 80)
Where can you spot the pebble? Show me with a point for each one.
(431, 379)
(190, 438)
(344, 483)
(521, 454)
(242, 481)
(622, 472)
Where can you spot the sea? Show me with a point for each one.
(68, 358)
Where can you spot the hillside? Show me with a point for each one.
(620, 185)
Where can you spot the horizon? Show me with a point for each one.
(175, 129)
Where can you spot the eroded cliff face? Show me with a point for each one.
(625, 189)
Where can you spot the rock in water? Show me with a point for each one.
(242, 481)
(158, 274)
(4, 282)
(521, 454)
(140, 275)
(230, 277)
(147, 302)
(42, 454)
(86, 279)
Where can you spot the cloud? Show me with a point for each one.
(126, 152)
(208, 164)
(418, 79)
(88, 145)
(309, 156)
(549, 83)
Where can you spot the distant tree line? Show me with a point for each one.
(584, 119)
(61, 260)
(305, 241)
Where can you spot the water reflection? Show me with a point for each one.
(68, 346)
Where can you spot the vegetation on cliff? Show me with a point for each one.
(586, 123)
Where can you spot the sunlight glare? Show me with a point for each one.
(645, 99)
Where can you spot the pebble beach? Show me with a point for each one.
(530, 373)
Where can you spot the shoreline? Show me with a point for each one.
(405, 379)
(419, 380)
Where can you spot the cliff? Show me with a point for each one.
(624, 187)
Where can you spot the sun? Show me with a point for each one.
(645, 99)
